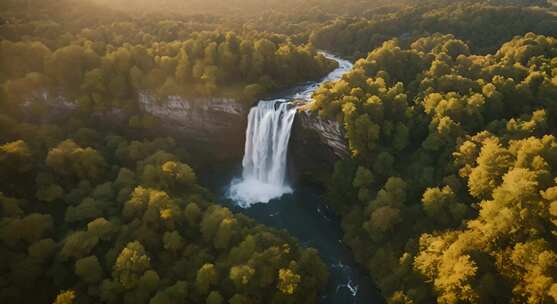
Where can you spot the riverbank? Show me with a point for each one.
(300, 209)
(305, 216)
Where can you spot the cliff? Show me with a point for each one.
(315, 145)
(214, 128)
(214, 125)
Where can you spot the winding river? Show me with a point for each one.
(263, 192)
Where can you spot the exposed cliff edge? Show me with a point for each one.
(330, 132)
(315, 145)
(218, 125)
(215, 125)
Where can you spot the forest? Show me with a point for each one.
(453, 175)
(449, 114)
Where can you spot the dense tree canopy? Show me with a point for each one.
(124, 221)
(484, 25)
(103, 64)
(453, 169)
(449, 194)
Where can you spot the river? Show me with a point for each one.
(259, 189)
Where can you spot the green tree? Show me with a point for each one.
(131, 264)
(176, 293)
(241, 275)
(177, 174)
(214, 298)
(79, 244)
(89, 269)
(288, 281)
(15, 157)
(70, 159)
(207, 276)
(42, 249)
(173, 241)
(65, 297)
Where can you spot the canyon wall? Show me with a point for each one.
(315, 145)
(214, 129)
(215, 126)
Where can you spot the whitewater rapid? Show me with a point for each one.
(266, 147)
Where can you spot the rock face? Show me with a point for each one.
(58, 107)
(214, 129)
(214, 126)
(329, 131)
(315, 145)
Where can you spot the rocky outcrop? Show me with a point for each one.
(315, 145)
(329, 132)
(52, 106)
(215, 126)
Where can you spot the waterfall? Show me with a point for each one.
(265, 157)
(267, 138)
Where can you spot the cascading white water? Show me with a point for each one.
(267, 136)
(264, 163)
